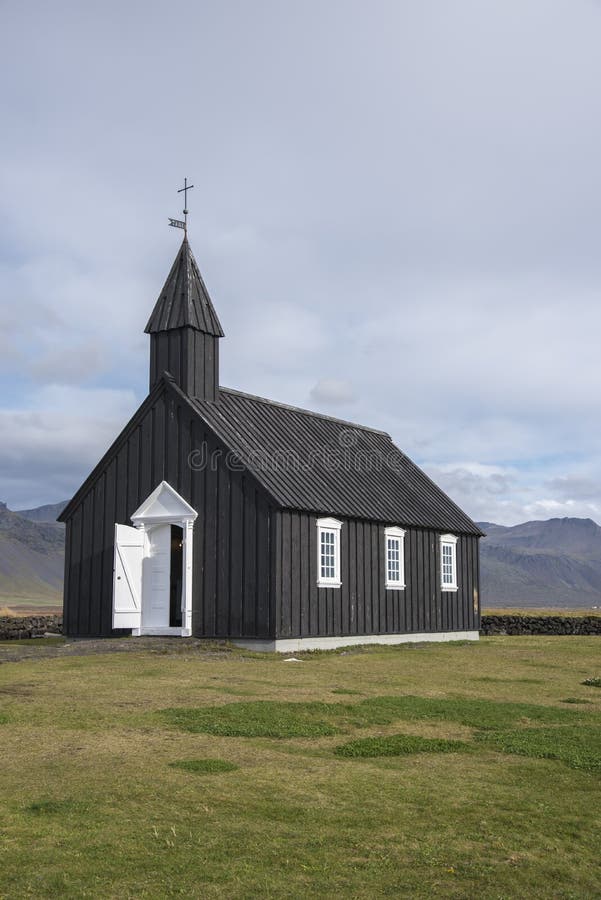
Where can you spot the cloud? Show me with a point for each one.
(409, 216)
(333, 391)
(51, 445)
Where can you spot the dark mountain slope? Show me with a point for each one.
(551, 563)
(31, 558)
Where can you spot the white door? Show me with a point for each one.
(127, 577)
(157, 578)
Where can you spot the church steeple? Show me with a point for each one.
(184, 330)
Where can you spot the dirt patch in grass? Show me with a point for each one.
(397, 745)
(204, 766)
(45, 648)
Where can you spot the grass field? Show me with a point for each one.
(461, 770)
(24, 606)
(542, 611)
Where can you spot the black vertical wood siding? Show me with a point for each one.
(191, 356)
(362, 605)
(233, 571)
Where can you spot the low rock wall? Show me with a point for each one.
(18, 627)
(540, 625)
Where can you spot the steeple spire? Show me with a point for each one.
(184, 299)
(184, 330)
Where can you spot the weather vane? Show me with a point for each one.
(177, 223)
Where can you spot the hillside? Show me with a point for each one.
(31, 559)
(551, 563)
(46, 513)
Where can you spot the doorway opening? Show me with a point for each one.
(152, 588)
(176, 579)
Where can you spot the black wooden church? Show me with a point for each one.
(216, 513)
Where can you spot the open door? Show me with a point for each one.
(127, 575)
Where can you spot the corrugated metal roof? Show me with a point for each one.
(319, 464)
(184, 300)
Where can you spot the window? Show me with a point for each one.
(395, 558)
(448, 562)
(328, 552)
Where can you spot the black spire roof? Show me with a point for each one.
(184, 300)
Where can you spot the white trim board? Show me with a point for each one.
(164, 631)
(289, 645)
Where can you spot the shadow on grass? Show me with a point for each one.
(48, 807)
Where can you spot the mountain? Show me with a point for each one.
(552, 563)
(31, 560)
(46, 513)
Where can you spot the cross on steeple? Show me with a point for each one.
(187, 187)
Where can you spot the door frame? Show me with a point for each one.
(166, 507)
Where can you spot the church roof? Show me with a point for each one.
(316, 463)
(184, 300)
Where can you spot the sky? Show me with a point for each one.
(396, 210)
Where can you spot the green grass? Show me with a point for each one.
(266, 718)
(255, 719)
(578, 746)
(100, 798)
(592, 682)
(397, 745)
(204, 766)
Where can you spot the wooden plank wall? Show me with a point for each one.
(233, 572)
(362, 605)
(191, 356)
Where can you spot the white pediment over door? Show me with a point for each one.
(163, 505)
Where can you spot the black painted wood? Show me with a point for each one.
(190, 356)
(363, 605)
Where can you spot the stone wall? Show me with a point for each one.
(18, 627)
(540, 625)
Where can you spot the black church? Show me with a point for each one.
(219, 514)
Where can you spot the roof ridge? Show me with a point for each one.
(303, 411)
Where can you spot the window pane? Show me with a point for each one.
(448, 564)
(393, 560)
(327, 555)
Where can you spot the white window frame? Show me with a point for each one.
(394, 533)
(334, 527)
(449, 540)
